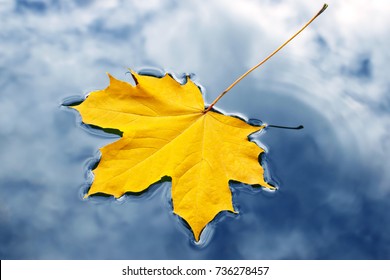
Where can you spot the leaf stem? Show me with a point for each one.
(285, 127)
(265, 59)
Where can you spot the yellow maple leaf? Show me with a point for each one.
(167, 133)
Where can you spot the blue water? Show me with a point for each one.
(333, 196)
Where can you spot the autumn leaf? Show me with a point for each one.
(167, 133)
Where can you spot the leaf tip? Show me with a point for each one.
(133, 75)
(110, 77)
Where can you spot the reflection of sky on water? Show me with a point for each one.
(334, 184)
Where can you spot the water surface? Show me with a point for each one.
(333, 195)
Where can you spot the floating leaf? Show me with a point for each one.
(167, 133)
